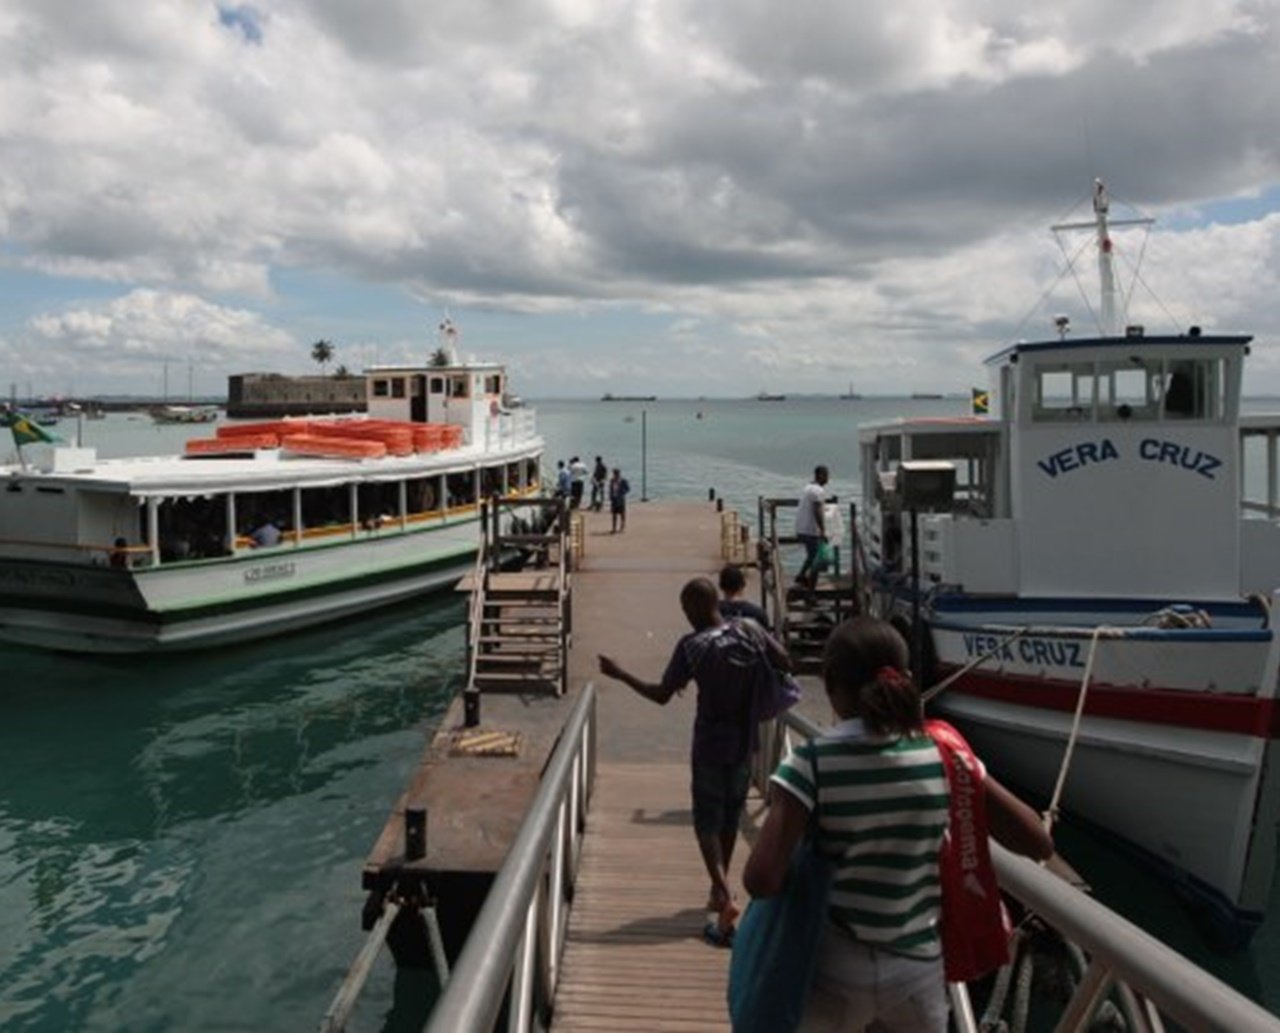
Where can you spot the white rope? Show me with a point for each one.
(1051, 813)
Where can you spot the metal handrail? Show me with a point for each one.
(475, 616)
(1120, 954)
(520, 931)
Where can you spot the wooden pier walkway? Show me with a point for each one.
(634, 956)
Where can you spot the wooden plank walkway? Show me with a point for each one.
(634, 955)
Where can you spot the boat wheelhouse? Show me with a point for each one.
(262, 528)
(1095, 583)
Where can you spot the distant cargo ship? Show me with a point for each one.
(609, 397)
(765, 396)
(926, 395)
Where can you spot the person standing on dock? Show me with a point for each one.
(732, 584)
(727, 667)
(811, 526)
(563, 480)
(599, 478)
(619, 489)
(577, 481)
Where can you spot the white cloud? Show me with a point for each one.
(825, 186)
(124, 341)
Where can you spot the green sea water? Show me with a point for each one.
(181, 837)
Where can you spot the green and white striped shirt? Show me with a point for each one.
(882, 816)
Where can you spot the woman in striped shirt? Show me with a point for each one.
(882, 816)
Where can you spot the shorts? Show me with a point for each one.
(855, 984)
(719, 794)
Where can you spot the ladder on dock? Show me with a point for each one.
(803, 618)
(520, 618)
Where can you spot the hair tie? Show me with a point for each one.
(892, 677)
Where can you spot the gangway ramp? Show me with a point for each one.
(634, 958)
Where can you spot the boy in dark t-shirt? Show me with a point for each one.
(732, 585)
(726, 665)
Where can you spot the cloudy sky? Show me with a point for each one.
(684, 197)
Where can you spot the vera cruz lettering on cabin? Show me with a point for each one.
(1151, 450)
(1077, 456)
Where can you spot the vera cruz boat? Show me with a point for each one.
(1092, 550)
(266, 527)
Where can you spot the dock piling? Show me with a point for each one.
(415, 833)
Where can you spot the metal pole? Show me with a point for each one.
(644, 455)
(917, 632)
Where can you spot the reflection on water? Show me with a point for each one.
(175, 830)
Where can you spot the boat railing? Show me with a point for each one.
(518, 938)
(510, 427)
(1118, 956)
(1266, 431)
(94, 554)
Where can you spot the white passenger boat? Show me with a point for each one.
(1092, 545)
(265, 527)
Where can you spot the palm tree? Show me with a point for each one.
(322, 352)
(440, 357)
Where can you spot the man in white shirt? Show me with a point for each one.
(811, 527)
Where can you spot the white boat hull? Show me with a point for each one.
(1172, 751)
(252, 595)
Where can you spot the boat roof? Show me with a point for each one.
(469, 365)
(1136, 341)
(266, 470)
(930, 425)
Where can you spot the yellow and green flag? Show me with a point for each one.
(26, 431)
(981, 402)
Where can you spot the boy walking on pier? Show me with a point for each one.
(726, 664)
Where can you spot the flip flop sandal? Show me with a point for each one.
(716, 936)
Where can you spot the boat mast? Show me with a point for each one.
(1106, 268)
(1101, 226)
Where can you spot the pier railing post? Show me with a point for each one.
(415, 833)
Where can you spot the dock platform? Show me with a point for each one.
(639, 909)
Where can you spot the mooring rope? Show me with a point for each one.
(1051, 813)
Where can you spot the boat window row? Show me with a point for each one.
(454, 385)
(1131, 388)
(218, 525)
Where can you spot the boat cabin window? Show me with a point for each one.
(378, 504)
(381, 389)
(460, 489)
(1194, 389)
(493, 385)
(423, 494)
(458, 387)
(397, 387)
(437, 385)
(1128, 389)
(190, 528)
(1064, 391)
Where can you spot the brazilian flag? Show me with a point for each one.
(981, 402)
(26, 431)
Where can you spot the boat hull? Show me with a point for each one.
(255, 594)
(1175, 752)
